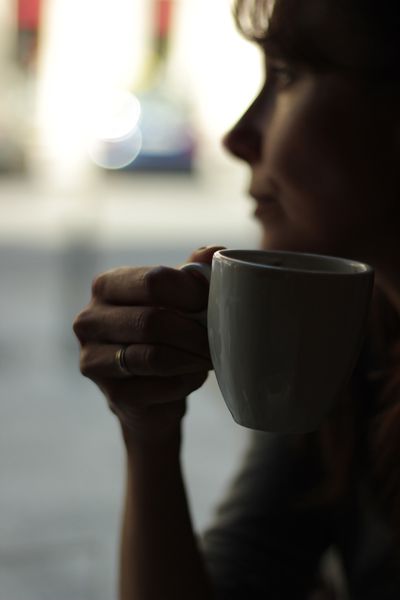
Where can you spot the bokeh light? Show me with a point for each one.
(115, 139)
(77, 125)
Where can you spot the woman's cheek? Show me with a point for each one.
(308, 156)
(320, 150)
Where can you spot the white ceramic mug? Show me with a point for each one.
(285, 331)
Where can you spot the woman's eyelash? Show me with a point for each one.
(284, 75)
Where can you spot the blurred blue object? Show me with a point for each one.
(165, 138)
(168, 142)
(161, 139)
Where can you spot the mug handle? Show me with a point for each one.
(205, 270)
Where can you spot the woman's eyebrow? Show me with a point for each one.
(302, 51)
(281, 46)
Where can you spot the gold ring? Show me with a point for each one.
(120, 359)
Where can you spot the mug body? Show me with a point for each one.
(285, 331)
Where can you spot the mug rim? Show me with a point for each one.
(361, 268)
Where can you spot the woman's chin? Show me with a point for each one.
(278, 243)
(281, 243)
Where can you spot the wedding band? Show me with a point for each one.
(121, 361)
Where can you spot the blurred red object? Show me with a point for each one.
(163, 17)
(28, 14)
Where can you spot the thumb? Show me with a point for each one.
(205, 254)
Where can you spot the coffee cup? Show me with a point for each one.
(285, 331)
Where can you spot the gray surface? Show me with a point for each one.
(61, 459)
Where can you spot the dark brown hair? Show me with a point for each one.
(364, 430)
(363, 434)
(374, 28)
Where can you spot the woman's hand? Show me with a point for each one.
(147, 312)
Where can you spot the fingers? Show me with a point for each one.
(99, 361)
(141, 325)
(205, 254)
(146, 312)
(158, 286)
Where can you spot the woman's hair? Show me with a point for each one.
(376, 24)
(366, 428)
(363, 433)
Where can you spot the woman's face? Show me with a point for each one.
(319, 140)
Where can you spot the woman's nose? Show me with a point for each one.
(245, 139)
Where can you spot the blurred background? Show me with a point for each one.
(111, 115)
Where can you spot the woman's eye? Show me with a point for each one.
(281, 75)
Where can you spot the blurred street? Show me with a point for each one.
(61, 459)
(153, 92)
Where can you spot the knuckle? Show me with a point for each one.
(195, 380)
(154, 279)
(81, 323)
(98, 285)
(150, 358)
(85, 363)
(146, 323)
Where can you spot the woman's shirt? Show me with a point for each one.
(267, 542)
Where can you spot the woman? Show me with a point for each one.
(322, 142)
